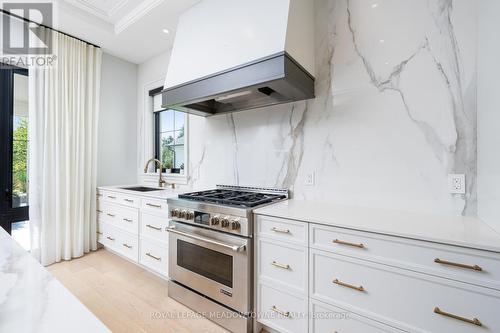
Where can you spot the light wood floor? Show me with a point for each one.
(124, 296)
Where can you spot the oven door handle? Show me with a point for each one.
(235, 248)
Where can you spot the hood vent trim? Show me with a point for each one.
(272, 80)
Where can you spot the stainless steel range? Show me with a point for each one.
(211, 251)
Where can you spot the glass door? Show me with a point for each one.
(14, 152)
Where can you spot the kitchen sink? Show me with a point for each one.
(141, 189)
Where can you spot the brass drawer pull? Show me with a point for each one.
(283, 231)
(338, 241)
(99, 211)
(110, 238)
(275, 264)
(128, 220)
(99, 194)
(111, 215)
(127, 246)
(152, 256)
(473, 321)
(99, 233)
(111, 197)
(340, 283)
(152, 205)
(128, 200)
(449, 263)
(281, 312)
(153, 227)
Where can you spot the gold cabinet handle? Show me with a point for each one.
(340, 283)
(110, 238)
(473, 321)
(111, 197)
(99, 211)
(111, 215)
(99, 233)
(275, 264)
(128, 220)
(283, 231)
(152, 256)
(99, 194)
(128, 200)
(127, 246)
(152, 205)
(281, 312)
(153, 227)
(338, 241)
(449, 263)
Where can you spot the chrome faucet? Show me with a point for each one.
(161, 181)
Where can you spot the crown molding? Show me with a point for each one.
(137, 13)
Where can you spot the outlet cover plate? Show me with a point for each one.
(456, 183)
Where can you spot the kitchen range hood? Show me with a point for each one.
(238, 55)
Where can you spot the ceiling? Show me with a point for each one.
(129, 29)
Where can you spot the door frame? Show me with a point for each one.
(8, 215)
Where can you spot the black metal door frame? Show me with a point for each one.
(8, 215)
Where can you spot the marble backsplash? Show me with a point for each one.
(395, 113)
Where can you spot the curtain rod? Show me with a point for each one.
(42, 25)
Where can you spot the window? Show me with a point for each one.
(170, 126)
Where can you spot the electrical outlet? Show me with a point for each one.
(310, 179)
(456, 183)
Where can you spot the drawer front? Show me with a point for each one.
(154, 255)
(100, 232)
(283, 264)
(472, 266)
(108, 196)
(330, 319)
(158, 207)
(404, 297)
(128, 200)
(127, 245)
(122, 217)
(154, 226)
(282, 229)
(282, 311)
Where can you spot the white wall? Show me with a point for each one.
(117, 141)
(489, 113)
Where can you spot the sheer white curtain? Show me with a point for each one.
(63, 114)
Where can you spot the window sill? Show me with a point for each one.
(172, 178)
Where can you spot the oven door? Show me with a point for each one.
(213, 263)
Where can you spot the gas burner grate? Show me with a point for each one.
(232, 198)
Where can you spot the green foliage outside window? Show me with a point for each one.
(19, 157)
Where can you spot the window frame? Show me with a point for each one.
(157, 137)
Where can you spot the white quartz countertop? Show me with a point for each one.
(32, 300)
(454, 230)
(160, 193)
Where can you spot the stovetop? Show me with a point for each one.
(233, 197)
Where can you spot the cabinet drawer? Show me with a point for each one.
(154, 255)
(282, 264)
(107, 196)
(158, 207)
(282, 229)
(154, 226)
(128, 245)
(403, 296)
(329, 319)
(468, 265)
(128, 200)
(282, 311)
(119, 216)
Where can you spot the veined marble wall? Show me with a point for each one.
(395, 113)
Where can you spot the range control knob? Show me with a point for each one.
(215, 220)
(183, 214)
(224, 222)
(190, 216)
(235, 224)
(174, 213)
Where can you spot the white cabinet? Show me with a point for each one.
(134, 227)
(371, 282)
